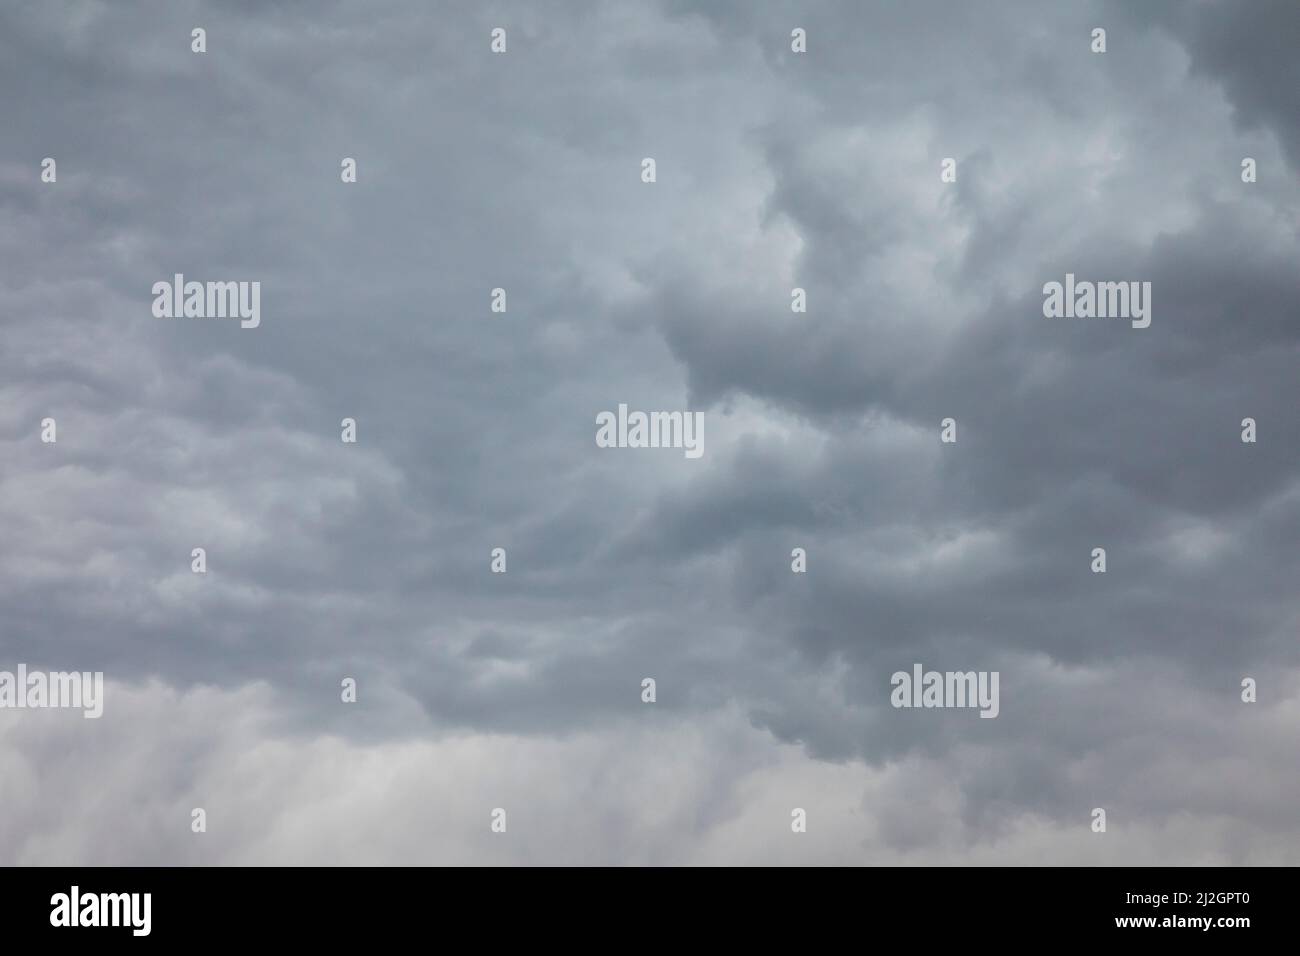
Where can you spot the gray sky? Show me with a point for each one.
(476, 430)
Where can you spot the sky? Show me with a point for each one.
(522, 690)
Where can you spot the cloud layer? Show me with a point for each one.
(775, 170)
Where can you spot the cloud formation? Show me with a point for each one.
(775, 170)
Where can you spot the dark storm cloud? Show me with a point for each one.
(1248, 48)
(1074, 435)
(775, 171)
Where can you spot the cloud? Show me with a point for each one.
(776, 170)
(658, 792)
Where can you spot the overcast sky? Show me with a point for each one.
(476, 430)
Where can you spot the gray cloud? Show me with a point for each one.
(775, 170)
